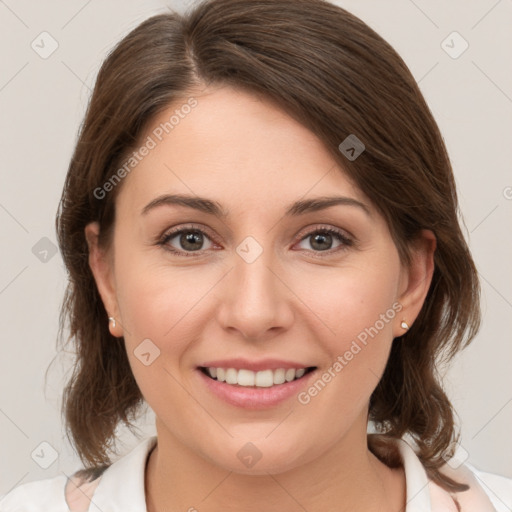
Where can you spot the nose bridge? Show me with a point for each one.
(252, 273)
(255, 301)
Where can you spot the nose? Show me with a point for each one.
(255, 302)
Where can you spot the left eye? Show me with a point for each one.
(322, 239)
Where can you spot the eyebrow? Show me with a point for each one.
(300, 207)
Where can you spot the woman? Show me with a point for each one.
(260, 227)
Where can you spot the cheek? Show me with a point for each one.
(154, 297)
(359, 306)
(166, 305)
(350, 302)
(157, 305)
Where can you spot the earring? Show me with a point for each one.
(404, 325)
(113, 320)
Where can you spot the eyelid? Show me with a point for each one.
(309, 230)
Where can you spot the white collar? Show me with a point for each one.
(121, 487)
(416, 480)
(424, 495)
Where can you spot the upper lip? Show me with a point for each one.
(263, 364)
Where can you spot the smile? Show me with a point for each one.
(260, 379)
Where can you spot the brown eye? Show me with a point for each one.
(322, 240)
(185, 240)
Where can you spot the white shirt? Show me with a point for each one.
(121, 488)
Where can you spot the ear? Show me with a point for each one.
(101, 264)
(415, 279)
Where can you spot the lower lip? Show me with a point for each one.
(255, 398)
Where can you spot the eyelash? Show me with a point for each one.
(163, 242)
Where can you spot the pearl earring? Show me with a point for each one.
(404, 325)
(113, 320)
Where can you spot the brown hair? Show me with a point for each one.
(335, 75)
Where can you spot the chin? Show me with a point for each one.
(259, 457)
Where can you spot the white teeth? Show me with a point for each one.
(264, 379)
(289, 375)
(261, 379)
(231, 375)
(245, 378)
(279, 376)
(300, 373)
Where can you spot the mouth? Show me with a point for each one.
(244, 378)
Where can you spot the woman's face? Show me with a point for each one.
(262, 288)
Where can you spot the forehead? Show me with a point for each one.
(234, 145)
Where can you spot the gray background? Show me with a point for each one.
(42, 102)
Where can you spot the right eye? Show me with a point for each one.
(189, 240)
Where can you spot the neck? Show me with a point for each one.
(347, 475)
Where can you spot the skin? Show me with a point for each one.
(295, 301)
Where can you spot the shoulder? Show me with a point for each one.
(38, 496)
(498, 488)
(118, 486)
(486, 492)
(484, 489)
(56, 494)
(80, 490)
